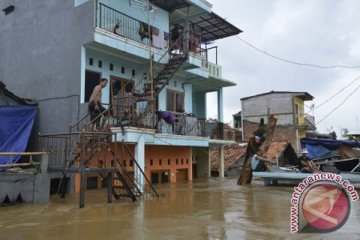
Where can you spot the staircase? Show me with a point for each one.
(163, 76)
(76, 152)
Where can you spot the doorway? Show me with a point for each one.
(160, 177)
(181, 175)
(121, 91)
(91, 80)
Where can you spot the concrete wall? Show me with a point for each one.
(255, 108)
(281, 133)
(31, 185)
(118, 62)
(172, 159)
(199, 104)
(40, 57)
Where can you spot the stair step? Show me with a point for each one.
(119, 187)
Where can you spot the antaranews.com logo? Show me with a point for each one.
(321, 203)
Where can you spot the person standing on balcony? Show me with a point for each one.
(95, 107)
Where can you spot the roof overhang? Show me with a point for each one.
(210, 84)
(208, 24)
(172, 5)
(212, 27)
(305, 96)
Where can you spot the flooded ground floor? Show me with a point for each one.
(203, 209)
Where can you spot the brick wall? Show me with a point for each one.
(282, 133)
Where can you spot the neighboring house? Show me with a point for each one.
(238, 126)
(353, 135)
(292, 119)
(56, 52)
(233, 154)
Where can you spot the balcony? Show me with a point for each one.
(166, 122)
(305, 121)
(133, 31)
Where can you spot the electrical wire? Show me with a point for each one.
(338, 106)
(294, 62)
(337, 93)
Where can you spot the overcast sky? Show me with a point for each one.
(319, 32)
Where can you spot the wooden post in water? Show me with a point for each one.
(109, 186)
(63, 187)
(254, 148)
(82, 172)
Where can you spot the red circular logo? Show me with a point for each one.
(325, 206)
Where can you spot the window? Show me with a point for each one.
(182, 161)
(122, 70)
(187, 161)
(151, 162)
(177, 161)
(175, 101)
(100, 64)
(160, 162)
(111, 67)
(91, 61)
(169, 161)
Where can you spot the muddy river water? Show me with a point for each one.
(205, 209)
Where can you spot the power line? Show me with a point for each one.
(346, 98)
(294, 62)
(330, 98)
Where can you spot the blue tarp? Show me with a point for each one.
(15, 128)
(320, 148)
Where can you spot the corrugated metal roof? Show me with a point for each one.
(212, 27)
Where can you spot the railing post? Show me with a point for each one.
(109, 186)
(82, 173)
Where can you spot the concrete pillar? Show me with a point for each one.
(220, 105)
(221, 160)
(186, 33)
(140, 158)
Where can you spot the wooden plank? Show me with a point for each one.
(22, 153)
(20, 164)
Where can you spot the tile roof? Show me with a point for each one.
(232, 153)
(276, 149)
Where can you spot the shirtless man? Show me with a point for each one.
(95, 107)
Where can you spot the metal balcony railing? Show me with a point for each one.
(121, 24)
(116, 22)
(305, 120)
(216, 130)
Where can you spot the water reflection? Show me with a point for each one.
(208, 209)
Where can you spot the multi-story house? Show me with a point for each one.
(292, 119)
(155, 56)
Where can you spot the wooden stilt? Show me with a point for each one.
(63, 186)
(109, 187)
(82, 188)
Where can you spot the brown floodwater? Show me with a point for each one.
(205, 209)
